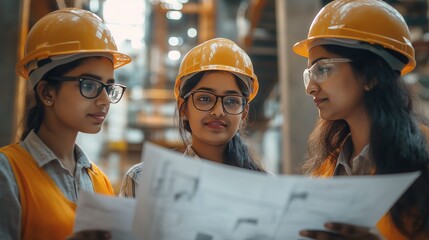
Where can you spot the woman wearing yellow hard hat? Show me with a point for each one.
(213, 89)
(70, 57)
(357, 51)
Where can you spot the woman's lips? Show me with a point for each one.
(318, 101)
(99, 116)
(216, 124)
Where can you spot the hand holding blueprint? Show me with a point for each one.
(100, 212)
(186, 199)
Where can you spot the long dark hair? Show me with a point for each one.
(396, 142)
(36, 111)
(237, 152)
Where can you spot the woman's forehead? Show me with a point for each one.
(320, 52)
(218, 82)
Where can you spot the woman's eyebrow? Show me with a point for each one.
(231, 92)
(97, 77)
(205, 89)
(213, 91)
(318, 59)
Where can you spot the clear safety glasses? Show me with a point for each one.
(320, 71)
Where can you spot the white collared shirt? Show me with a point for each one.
(359, 165)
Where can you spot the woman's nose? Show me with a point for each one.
(103, 98)
(218, 109)
(312, 87)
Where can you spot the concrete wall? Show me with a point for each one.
(293, 21)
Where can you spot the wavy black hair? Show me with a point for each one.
(397, 143)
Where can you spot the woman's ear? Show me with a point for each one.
(182, 110)
(45, 93)
(370, 85)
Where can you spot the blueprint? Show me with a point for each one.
(188, 199)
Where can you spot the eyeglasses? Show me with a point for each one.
(320, 71)
(91, 88)
(206, 101)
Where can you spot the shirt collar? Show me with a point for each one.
(346, 151)
(190, 152)
(43, 155)
(81, 157)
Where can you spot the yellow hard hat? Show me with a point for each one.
(373, 22)
(68, 31)
(217, 54)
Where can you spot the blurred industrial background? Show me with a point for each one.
(157, 33)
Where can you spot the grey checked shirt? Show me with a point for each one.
(131, 178)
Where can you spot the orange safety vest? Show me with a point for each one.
(45, 212)
(386, 226)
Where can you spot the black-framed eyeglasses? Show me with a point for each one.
(91, 88)
(206, 101)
